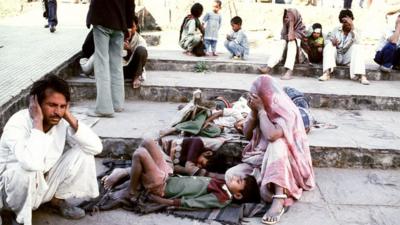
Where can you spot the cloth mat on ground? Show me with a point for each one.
(232, 214)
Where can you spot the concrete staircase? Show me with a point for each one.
(367, 135)
(351, 188)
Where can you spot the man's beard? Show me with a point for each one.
(346, 27)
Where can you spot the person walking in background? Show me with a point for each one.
(347, 4)
(50, 7)
(110, 20)
(212, 20)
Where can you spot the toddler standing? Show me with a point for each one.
(212, 21)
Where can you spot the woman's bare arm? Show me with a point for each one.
(270, 130)
(249, 125)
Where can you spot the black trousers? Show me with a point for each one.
(347, 4)
(135, 66)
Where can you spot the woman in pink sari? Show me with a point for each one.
(278, 153)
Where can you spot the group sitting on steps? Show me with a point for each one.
(341, 46)
(274, 168)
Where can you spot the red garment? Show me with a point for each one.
(215, 187)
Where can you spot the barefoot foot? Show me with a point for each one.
(288, 75)
(264, 70)
(117, 174)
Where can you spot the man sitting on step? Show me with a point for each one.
(342, 48)
(34, 168)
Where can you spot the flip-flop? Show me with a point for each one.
(278, 218)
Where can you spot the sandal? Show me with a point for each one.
(269, 220)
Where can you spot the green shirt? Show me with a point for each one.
(193, 192)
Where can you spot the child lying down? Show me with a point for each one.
(150, 171)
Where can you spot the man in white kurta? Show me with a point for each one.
(34, 165)
(342, 47)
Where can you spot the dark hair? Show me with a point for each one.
(344, 13)
(51, 82)
(136, 22)
(250, 192)
(316, 26)
(196, 10)
(218, 2)
(236, 20)
(217, 163)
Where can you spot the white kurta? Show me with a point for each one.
(278, 52)
(26, 154)
(349, 51)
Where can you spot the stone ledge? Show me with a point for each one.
(337, 157)
(229, 66)
(365, 139)
(85, 89)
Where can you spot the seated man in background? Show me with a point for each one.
(342, 48)
(388, 54)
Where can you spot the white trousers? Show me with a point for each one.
(74, 175)
(354, 56)
(278, 51)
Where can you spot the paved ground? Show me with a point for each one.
(342, 197)
(29, 51)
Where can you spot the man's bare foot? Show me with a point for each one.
(273, 215)
(214, 54)
(265, 69)
(288, 75)
(116, 175)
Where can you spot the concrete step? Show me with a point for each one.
(175, 60)
(178, 87)
(342, 196)
(362, 138)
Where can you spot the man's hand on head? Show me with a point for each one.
(35, 111)
(73, 122)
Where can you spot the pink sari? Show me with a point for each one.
(287, 161)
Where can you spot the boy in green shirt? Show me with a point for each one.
(150, 170)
